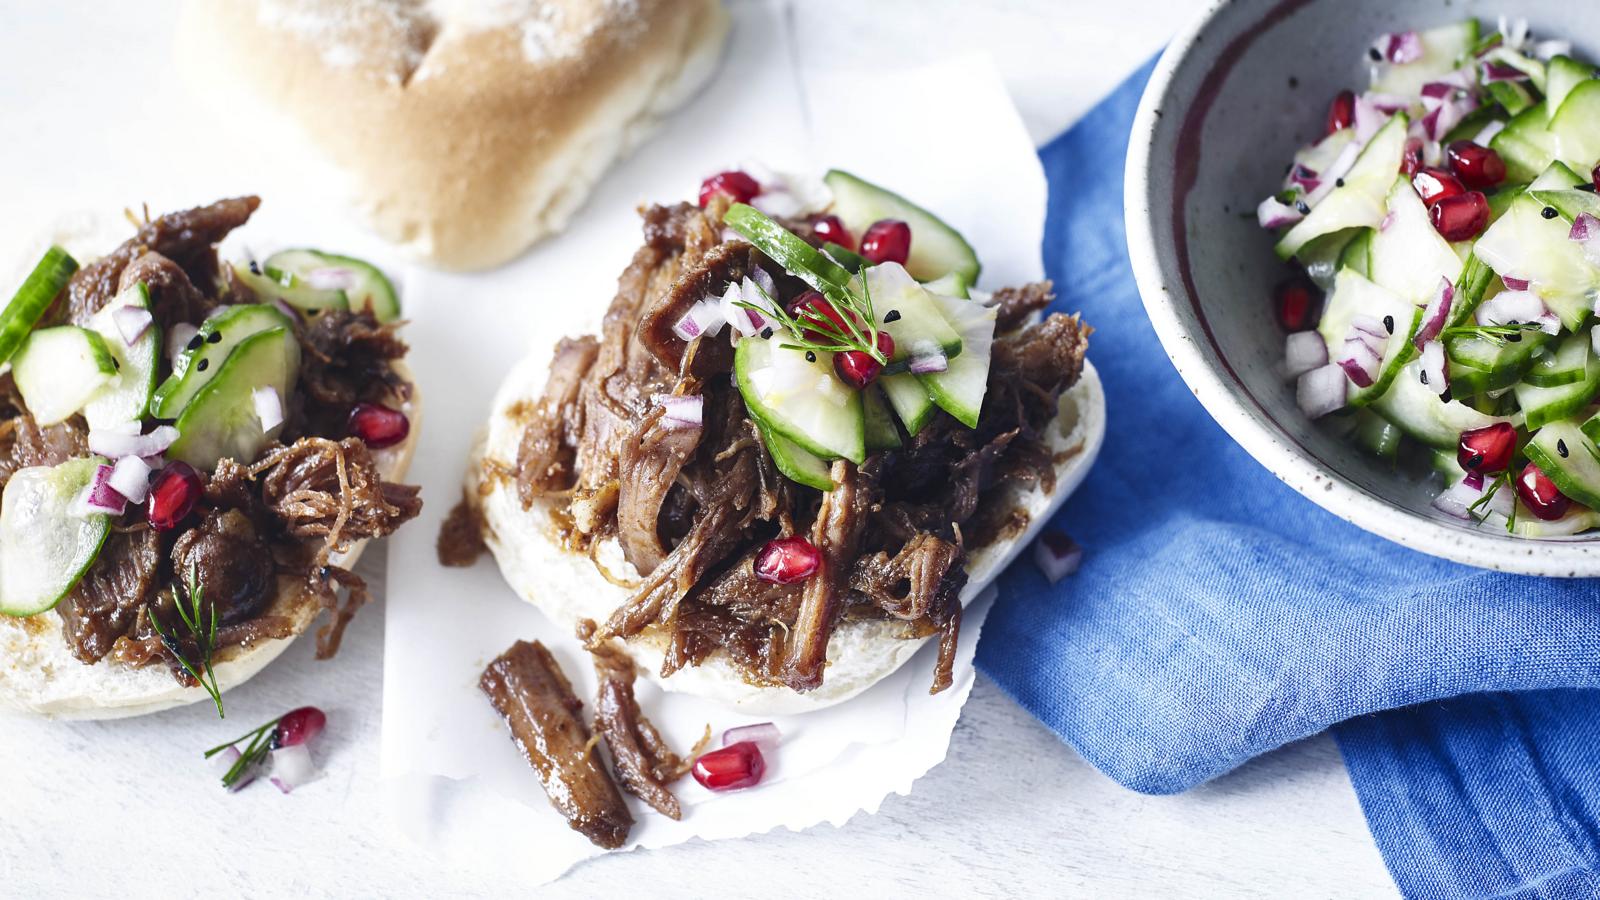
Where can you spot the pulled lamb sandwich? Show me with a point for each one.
(192, 455)
(800, 444)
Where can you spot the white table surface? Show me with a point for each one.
(98, 808)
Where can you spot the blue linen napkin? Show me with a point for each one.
(1219, 614)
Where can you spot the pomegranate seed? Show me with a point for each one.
(1460, 218)
(1297, 301)
(173, 496)
(1595, 177)
(887, 240)
(731, 768)
(1476, 166)
(378, 425)
(857, 369)
(1411, 158)
(787, 560)
(1437, 184)
(811, 308)
(831, 230)
(298, 726)
(739, 187)
(1487, 450)
(1342, 112)
(1540, 495)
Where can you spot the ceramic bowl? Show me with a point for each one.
(1232, 98)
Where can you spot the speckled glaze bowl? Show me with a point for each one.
(1231, 99)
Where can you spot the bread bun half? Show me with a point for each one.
(470, 129)
(568, 587)
(39, 674)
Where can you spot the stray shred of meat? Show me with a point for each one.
(460, 541)
(528, 689)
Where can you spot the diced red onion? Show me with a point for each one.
(1489, 133)
(269, 406)
(1302, 352)
(292, 767)
(1369, 118)
(1458, 499)
(1546, 50)
(1475, 480)
(1387, 221)
(734, 308)
(1057, 555)
(1518, 307)
(764, 734)
(1435, 370)
(117, 445)
(1437, 91)
(287, 309)
(929, 363)
(1322, 391)
(1340, 168)
(330, 278)
(686, 411)
(223, 762)
(1401, 48)
(1584, 228)
(1437, 312)
(130, 477)
(1515, 284)
(1303, 178)
(1360, 362)
(102, 497)
(1515, 32)
(1388, 103)
(703, 318)
(1274, 213)
(132, 322)
(1498, 71)
(1368, 325)
(178, 337)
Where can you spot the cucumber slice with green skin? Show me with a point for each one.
(1504, 361)
(50, 274)
(1354, 296)
(1419, 411)
(1558, 177)
(1526, 144)
(1562, 75)
(1570, 203)
(59, 369)
(1361, 202)
(795, 463)
(1443, 49)
(48, 539)
(1576, 126)
(1319, 156)
(847, 258)
(1377, 435)
(936, 248)
(799, 399)
(878, 421)
(1501, 199)
(364, 285)
(1524, 244)
(1512, 95)
(1473, 288)
(959, 389)
(950, 285)
(910, 401)
(1542, 405)
(1569, 458)
(303, 297)
(126, 398)
(1577, 520)
(1568, 365)
(202, 359)
(785, 248)
(1323, 257)
(221, 422)
(1409, 257)
(921, 327)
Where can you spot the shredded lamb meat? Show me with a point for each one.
(691, 508)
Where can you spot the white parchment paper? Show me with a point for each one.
(946, 135)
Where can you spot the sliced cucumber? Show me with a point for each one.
(1558, 177)
(1408, 256)
(303, 297)
(221, 421)
(959, 389)
(1526, 144)
(1525, 244)
(1443, 49)
(364, 285)
(1542, 405)
(1323, 257)
(1354, 296)
(1377, 435)
(800, 399)
(794, 462)
(126, 398)
(1570, 459)
(48, 538)
(1576, 126)
(1577, 520)
(1512, 95)
(951, 284)
(785, 248)
(1324, 153)
(910, 400)
(1569, 203)
(1568, 365)
(845, 257)
(936, 248)
(50, 274)
(919, 327)
(202, 360)
(1419, 411)
(1503, 362)
(1360, 203)
(1477, 279)
(880, 431)
(59, 369)
(1562, 75)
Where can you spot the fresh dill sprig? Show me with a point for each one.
(260, 745)
(820, 333)
(1497, 334)
(1501, 480)
(202, 628)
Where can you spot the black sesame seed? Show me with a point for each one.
(214, 338)
(1561, 448)
(1424, 376)
(810, 357)
(1388, 324)
(1550, 212)
(1586, 186)
(1445, 394)
(116, 363)
(1303, 207)
(892, 315)
(1514, 338)
(1376, 55)
(203, 365)
(766, 334)
(254, 269)
(194, 343)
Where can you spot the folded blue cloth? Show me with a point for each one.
(1218, 615)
